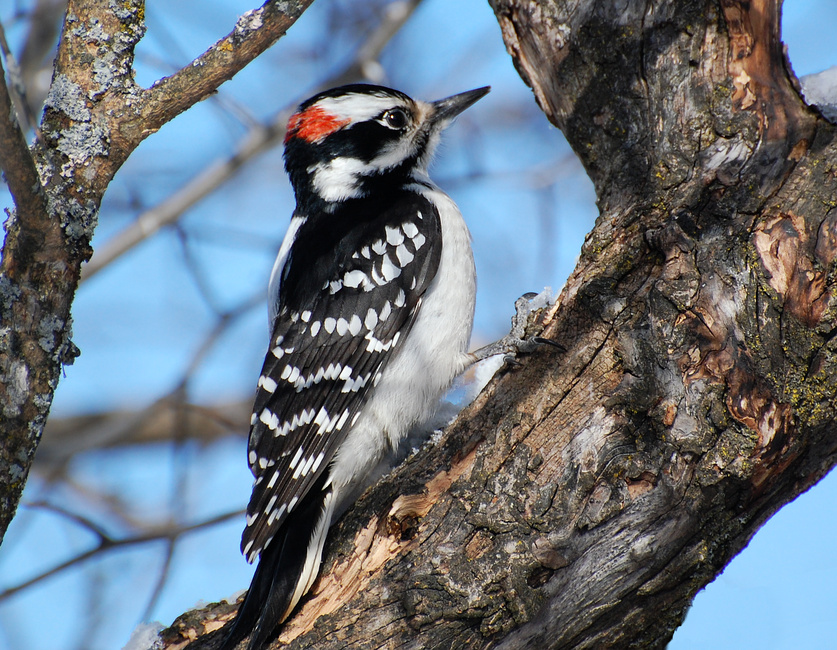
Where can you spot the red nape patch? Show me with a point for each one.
(313, 124)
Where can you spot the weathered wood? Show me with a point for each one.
(585, 498)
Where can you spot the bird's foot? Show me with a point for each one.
(514, 343)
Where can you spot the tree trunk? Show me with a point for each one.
(586, 497)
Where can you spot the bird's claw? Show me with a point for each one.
(514, 343)
(542, 341)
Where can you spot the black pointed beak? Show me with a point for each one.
(448, 108)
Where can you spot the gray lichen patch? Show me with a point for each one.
(9, 292)
(94, 32)
(80, 143)
(17, 390)
(67, 97)
(80, 220)
(122, 10)
(248, 22)
(48, 328)
(103, 71)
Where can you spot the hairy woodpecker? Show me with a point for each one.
(371, 306)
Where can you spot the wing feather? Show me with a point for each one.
(345, 302)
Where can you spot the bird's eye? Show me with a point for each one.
(395, 118)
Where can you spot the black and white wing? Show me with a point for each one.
(350, 289)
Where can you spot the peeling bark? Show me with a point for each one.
(586, 497)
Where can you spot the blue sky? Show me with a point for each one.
(140, 322)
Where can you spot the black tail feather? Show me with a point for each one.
(279, 570)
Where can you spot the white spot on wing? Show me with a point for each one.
(404, 256)
(342, 420)
(355, 279)
(271, 420)
(308, 464)
(354, 385)
(332, 371)
(377, 277)
(317, 462)
(296, 457)
(389, 270)
(394, 236)
(321, 420)
(268, 384)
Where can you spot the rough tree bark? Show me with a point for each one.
(585, 498)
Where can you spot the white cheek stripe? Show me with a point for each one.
(358, 107)
(338, 179)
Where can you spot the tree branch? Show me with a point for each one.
(254, 33)
(16, 161)
(107, 543)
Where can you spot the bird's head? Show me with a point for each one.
(342, 142)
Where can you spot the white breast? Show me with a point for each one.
(433, 354)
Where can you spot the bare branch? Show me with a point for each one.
(16, 161)
(70, 436)
(254, 33)
(17, 87)
(38, 50)
(107, 543)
